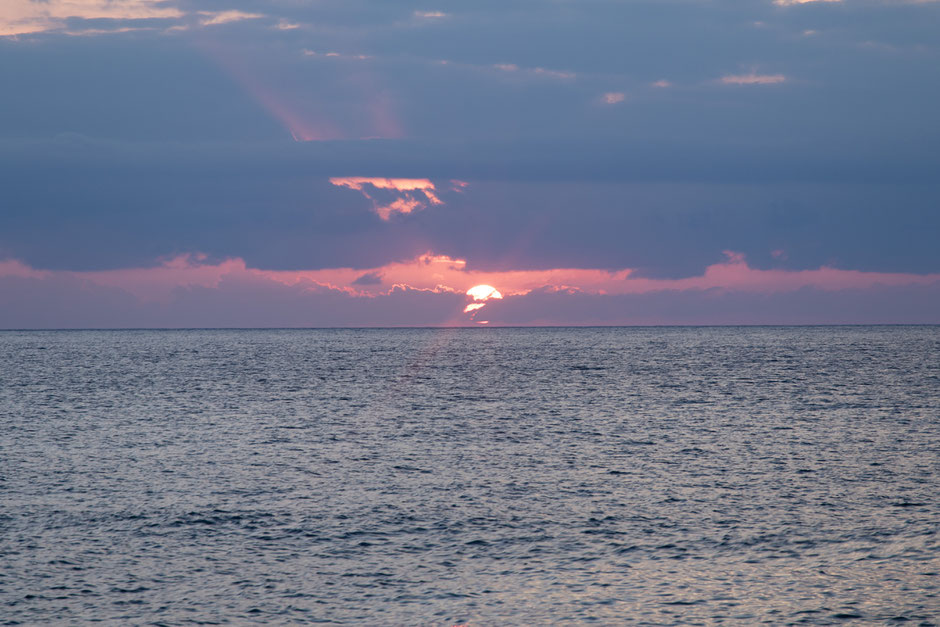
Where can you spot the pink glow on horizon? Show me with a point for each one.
(158, 283)
(442, 274)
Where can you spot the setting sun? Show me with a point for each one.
(483, 292)
(480, 293)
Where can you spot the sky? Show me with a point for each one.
(319, 163)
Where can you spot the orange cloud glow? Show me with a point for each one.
(408, 188)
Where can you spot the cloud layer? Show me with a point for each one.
(190, 291)
(160, 153)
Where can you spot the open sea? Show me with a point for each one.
(610, 476)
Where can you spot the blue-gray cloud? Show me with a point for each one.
(119, 149)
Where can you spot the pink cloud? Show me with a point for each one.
(174, 288)
(213, 18)
(158, 283)
(440, 272)
(21, 17)
(432, 290)
(446, 274)
(15, 268)
(414, 194)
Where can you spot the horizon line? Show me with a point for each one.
(451, 327)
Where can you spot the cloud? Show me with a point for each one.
(116, 206)
(119, 150)
(613, 97)
(559, 74)
(213, 18)
(480, 293)
(89, 32)
(22, 17)
(535, 71)
(408, 189)
(753, 79)
(334, 55)
(909, 304)
(434, 272)
(787, 3)
(369, 278)
(191, 290)
(18, 269)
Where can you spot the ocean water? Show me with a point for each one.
(658, 476)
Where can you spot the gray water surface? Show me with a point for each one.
(480, 476)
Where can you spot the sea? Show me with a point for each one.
(486, 476)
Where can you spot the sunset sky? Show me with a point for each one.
(247, 163)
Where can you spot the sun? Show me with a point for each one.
(483, 292)
(480, 293)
